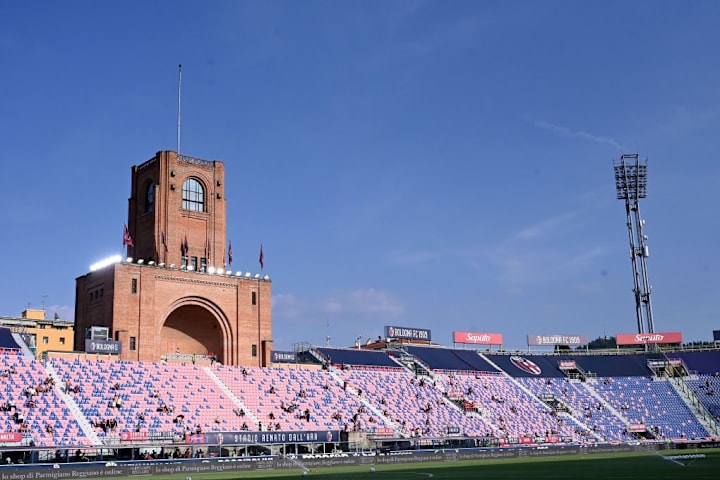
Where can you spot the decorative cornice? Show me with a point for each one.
(196, 281)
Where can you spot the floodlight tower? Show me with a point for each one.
(631, 184)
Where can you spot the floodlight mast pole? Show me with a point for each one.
(631, 185)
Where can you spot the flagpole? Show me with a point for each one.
(178, 116)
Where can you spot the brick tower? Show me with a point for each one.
(174, 295)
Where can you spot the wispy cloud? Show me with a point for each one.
(430, 256)
(545, 227)
(506, 255)
(683, 120)
(364, 301)
(353, 304)
(458, 31)
(541, 264)
(569, 133)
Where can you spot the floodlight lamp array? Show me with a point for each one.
(630, 178)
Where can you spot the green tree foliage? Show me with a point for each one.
(602, 342)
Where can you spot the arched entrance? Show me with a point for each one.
(194, 326)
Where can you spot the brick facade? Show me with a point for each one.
(161, 307)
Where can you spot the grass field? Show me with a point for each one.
(594, 466)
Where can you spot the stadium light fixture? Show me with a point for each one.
(631, 185)
(105, 262)
(140, 261)
(220, 271)
(257, 275)
(211, 270)
(248, 275)
(129, 259)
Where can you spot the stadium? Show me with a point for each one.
(173, 372)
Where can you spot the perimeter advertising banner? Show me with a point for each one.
(259, 438)
(132, 436)
(558, 339)
(279, 356)
(103, 346)
(648, 338)
(10, 437)
(407, 333)
(478, 338)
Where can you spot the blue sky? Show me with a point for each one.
(442, 165)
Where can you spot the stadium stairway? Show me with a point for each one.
(571, 418)
(696, 407)
(231, 395)
(399, 362)
(584, 425)
(317, 355)
(23, 346)
(652, 401)
(335, 374)
(81, 419)
(605, 403)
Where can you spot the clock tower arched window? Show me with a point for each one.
(150, 198)
(193, 195)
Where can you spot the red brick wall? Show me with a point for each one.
(192, 312)
(173, 309)
(168, 172)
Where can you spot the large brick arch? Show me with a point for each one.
(195, 325)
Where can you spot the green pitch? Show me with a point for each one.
(591, 466)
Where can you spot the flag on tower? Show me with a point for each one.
(207, 249)
(127, 239)
(164, 241)
(184, 247)
(262, 258)
(229, 253)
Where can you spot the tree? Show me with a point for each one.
(602, 343)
